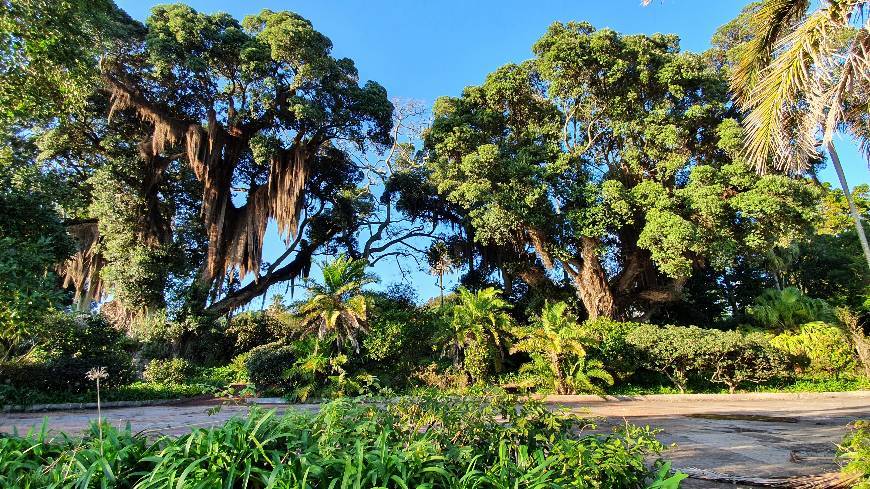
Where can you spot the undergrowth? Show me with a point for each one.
(424, 442)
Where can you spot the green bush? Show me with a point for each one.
(788, 308)
(174, 371)
(73, 344)
(612, 347)
(137, 391)
(268, 366)
(425, 441)
(400, 334)
(855, 451)
(234, 372)
(824, 348)
(733, 357)
(199, 340)
(251, 329)
(675, 351)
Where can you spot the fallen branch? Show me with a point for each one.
(830, 480)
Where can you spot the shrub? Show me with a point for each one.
(198, 340)
(427, 441)
(443, 379)
(732, 357)
(824, 348)
(855, 451)
(400, 332)
(611, 345)
(174, 371)
(267, 365)
(675, 351)
(557, 344)
(74, 344)
(249, 330)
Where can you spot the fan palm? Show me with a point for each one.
(805, 73)
(788, 308)
(557, 341)
(338, 307)
(479, 326)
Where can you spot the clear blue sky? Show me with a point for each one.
(422, 49)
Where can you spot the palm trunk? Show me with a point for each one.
(835, 158)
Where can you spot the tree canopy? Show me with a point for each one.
(616, 158)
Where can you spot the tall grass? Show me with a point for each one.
(419, 442)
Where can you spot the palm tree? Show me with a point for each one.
(440, 263)
(804, 73)
(337, 307)
(557, 341)
(477, 331)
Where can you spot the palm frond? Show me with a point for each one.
(854, 75)
(770, 23)
(780, 126)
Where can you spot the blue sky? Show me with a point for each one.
(422, 49)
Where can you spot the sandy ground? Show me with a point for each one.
(753, 437)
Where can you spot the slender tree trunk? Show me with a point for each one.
(835, 158)
(441, 286)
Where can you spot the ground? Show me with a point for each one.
(750, 435)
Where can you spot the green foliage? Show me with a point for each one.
(733, 357)
(684, 353)
(50, 50)
(557, 344)
(786, 309)
(855, 451)
(136, 391)
(425, 441)
(173, 372)
(401, 333)
(266, 365)
(70, 346)
(603, 136)
(234, 372)
(337, 308)
(136, 270)
(674, 351)
(612, 346)
(476, 336)
(824, 348)
(251, 329)
(32, 242)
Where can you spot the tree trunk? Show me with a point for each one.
(859, 339)
(592, 285)
(556, 368)
(835, 159)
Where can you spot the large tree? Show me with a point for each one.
(217, 127)
(617, 160)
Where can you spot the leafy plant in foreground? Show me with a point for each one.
(426, 441)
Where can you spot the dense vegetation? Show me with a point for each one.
(435, 442)
(583, 198)
(612, 215)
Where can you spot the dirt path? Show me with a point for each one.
(758, 437)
